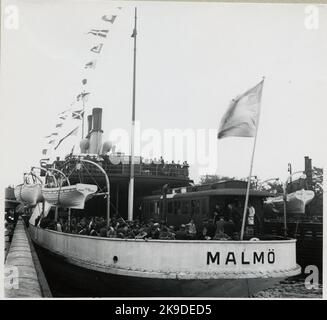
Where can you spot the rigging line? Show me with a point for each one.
(92, 177)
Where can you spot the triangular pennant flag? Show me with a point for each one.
(100, 33)
(97, 49)
(111, 20)
(90, 64)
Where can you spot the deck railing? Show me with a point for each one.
(140, 168)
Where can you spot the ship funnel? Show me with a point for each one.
(96, 132)
(89, 123)
(97, 117)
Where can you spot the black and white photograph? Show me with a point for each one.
(162, 150)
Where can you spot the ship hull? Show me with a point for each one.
(66, 279)
(73, 196)
(296, 202)
(136, 268)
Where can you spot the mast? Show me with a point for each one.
(83, 96)
(131, 180)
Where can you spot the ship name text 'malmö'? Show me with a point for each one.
(243, 258)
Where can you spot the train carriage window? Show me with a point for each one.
(195, 206)
(170, 207)
(177, 207)
(152, 208)
(185, 207)
(157, 207)
(203, 206)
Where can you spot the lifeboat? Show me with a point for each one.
(73, 196)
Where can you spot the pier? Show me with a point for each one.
(24, 277)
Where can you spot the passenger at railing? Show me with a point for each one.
(166, 234)
(220, 230)
(111, 233)
(47, 223)
(251, 221)
(211, 229)
(103, 229)
(235, 214)
(93, 232)
(181, 234)
(229, 227)
(191, 229)
(155, 231)
(83, 231)
(216, 214)
(59, 226)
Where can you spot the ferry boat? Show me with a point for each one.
(166, 268)
(295, 202)
(114, 267)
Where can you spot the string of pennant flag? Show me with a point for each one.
(55, 139)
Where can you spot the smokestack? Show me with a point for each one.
(96, 132)
(308, 170)
(97, 117)
(89, 123)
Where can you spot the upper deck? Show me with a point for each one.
(150, 174)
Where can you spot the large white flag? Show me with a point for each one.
(241, 118)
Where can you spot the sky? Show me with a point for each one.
(192, 59)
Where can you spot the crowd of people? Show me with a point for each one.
(150, 166)
(218, 228)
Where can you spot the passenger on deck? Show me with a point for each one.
(58, 227)
(83, 231)
(155, 231)
(229, 227)
(181, 234)
(191, 229)
(103, 230)
(211, 229)
(216, 214)
(250, 220)
(93, 233)
(236, 216)
(111, 233)
(220, 230)
(163, 234)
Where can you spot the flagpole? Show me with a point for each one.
(131, 181)
(250, 173)
(83, 97)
